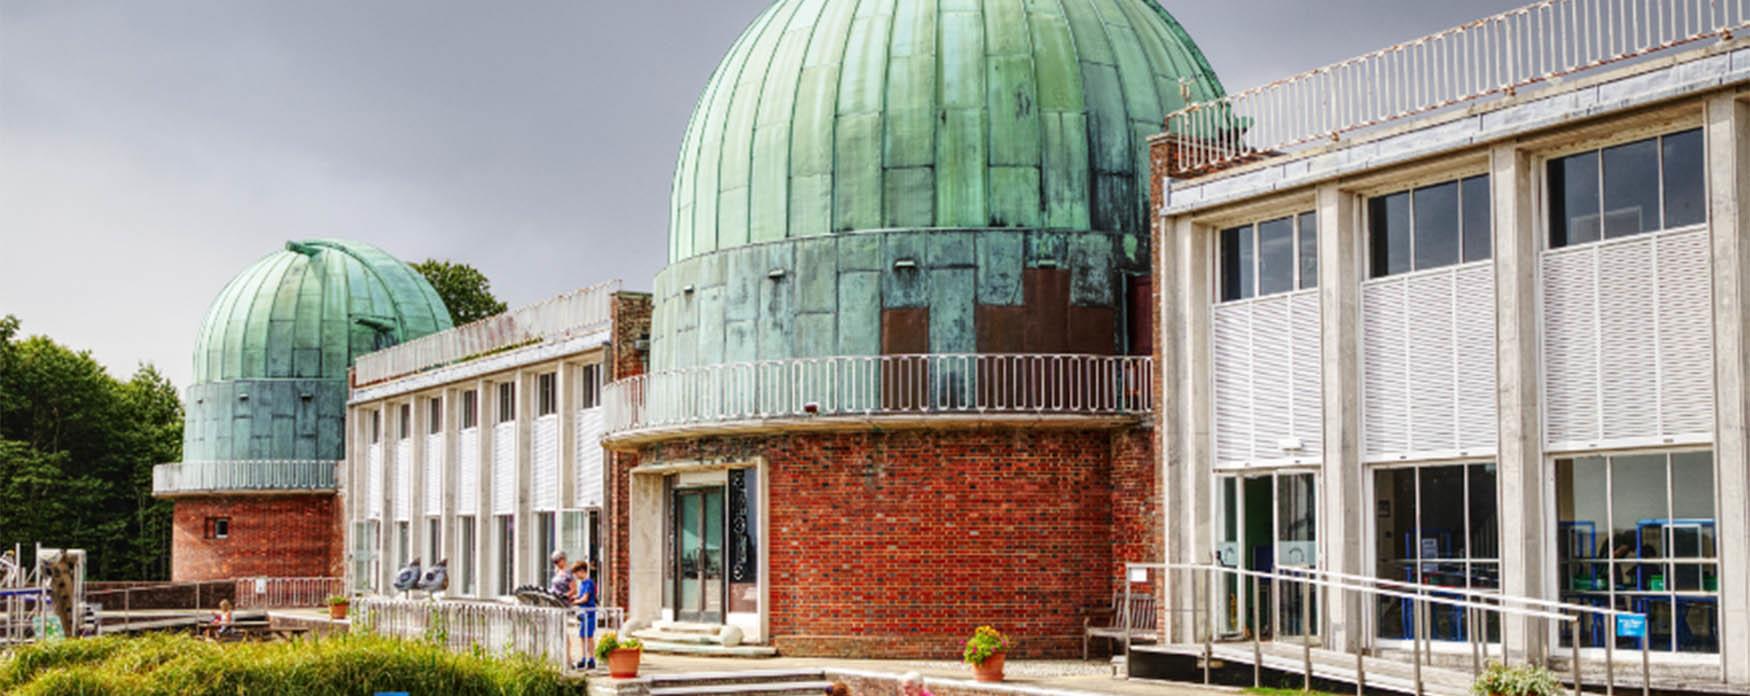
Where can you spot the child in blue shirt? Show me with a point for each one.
(584, 599)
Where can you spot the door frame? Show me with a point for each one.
(1275, 476)
(677, 578)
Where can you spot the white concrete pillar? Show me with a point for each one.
(1189, 471)
(1728, 182)
(1521, 477)
(1343, 522)
(644, 548)
(526, 569)
(1168, 431)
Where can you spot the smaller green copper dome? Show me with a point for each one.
(271, 361)
(309, 309)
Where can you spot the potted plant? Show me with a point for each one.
(1500, 680)
(985, 651)
(621, 654)
(337, 606)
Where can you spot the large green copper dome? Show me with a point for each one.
(270, 364)
(839, 115)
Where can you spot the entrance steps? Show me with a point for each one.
(707, 640)
(775, 682)
(1381, 673)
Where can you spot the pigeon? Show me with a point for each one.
(436, 578)
(405, 579)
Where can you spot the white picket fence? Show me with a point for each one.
(500, 629)
(286, 593)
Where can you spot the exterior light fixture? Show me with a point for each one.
(905, 263)
(688, 289)
(1290, 444)
(811, 408)
(1048, 263)
(775, 273)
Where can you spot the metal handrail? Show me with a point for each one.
(1421, 598)
(574, 313)
(243, 475)
(1488, 57)
(882, 385)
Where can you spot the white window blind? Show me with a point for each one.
(404, 479)
(1627, 344)
(434, 474)
(1428, 364)
(468, 472)
(1268, 380)
(374, 481)
(504, 468)
(544, 490)
(589, 472)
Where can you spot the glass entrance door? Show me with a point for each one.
(698, 554)
(1265, 521)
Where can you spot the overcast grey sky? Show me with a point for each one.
(149, 151)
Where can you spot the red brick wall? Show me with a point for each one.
(631, 324)
(1136, 515)
(285, 536)
(899, 544)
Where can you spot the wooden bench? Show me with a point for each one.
(1109, 622)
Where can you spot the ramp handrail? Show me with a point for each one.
(1421, 599)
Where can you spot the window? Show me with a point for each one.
(1627, 189)
(1273, 256)
(590, 396)
(546, 394)
(506, 553)
(1437, 526)
(506, 402)
(1429, 227)
(546, 542)
(376, 426)
(218, 528)
(405, 426)
(403, 545)
(465, 552)
(434, 546)
(434, 415)
(470, 409)
(1637, 532)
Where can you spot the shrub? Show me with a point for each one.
(335, 600)
(985, 642)
(1500, 680)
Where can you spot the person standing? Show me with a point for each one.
(585, 593)
(560, 584)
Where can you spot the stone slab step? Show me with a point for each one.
(786, 688)
(663, 636)
(685, 627)
(707, 650)
(750, 675)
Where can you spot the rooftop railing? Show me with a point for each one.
(1489, 57)
(242, 476)
(574, 313)
(881, 386)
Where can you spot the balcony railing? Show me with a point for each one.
(243, 476)
(500, 629)
(572, 314)
(286, 593)
(1488, 57)
(881, 386)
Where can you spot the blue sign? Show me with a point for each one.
(1631, 625)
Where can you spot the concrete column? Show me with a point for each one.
(1342, 534)
(1522, 476)
(1728, 183)
(527, 541)
(1189, 466)
(452, 430)
(485, 523)
(417, 533)
(346, 481)
(1168, 433)
(644, 548)
(567, 397)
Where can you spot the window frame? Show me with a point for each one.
(470, 415)
(1459, 239)
(405, 415)
(217, 528)
(506, 411)
(589, 394)
(1297, 281)
(376, 426)
(1549, 197)
(1469, 560)
(546, 394)
(434, 415)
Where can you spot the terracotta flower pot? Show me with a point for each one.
(337, 611)
(990, 670)
(623, 664)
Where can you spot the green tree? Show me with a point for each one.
(77, 448)
(464, 289)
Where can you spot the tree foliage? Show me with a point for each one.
(464, 289)
(77, 448)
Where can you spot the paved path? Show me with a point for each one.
(1062, 675)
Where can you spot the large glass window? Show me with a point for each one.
(506, 402)
(1627, 189)
(1429, 227)
(506, 554)
(1637, 532)
(465, 553)
(434, 415)
(1437, 526)
(1269, 257)
(590, 396)
(470, 409)
(547, 394)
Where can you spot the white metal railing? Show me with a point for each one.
(1487, 57)
(574, 313)
(1193, 600)
(243, 475)
(286, 593)
(882, 385)
(500, 629)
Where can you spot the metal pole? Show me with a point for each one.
(1575, 645)
(1306, 632)
(1126, 609)
(1257, 640)
(1416, 642)
(1646, 670)
(1609, 655)
(1471, 614)
(1209, 629)
(1360, 650)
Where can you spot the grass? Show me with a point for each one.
(163, 665)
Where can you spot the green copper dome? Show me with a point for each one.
(831, 116)
(270, 364)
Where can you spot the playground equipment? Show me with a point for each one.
(40, 598)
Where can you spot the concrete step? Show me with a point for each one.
(736, 677)
(685, 627)
(663, 636)
(706, 650)
(747, 689)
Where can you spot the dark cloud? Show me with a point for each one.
(149, 151)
